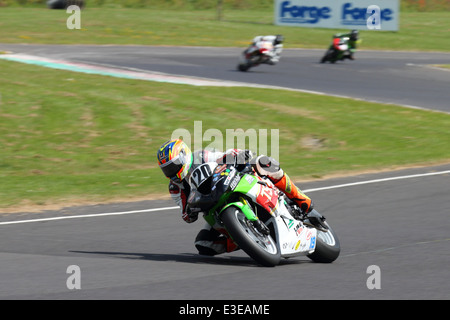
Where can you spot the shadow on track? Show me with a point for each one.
(190, 258)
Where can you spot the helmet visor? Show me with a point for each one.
(172, 167)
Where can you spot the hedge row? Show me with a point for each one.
(407, 5)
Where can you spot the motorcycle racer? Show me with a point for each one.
(339, 39)
(177, 162)
(275, 42)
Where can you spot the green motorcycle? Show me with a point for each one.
(342, 47)
(258, 217)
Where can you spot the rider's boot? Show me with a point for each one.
(210, 242)
(270, 168)
(294, 193)
(305, 204)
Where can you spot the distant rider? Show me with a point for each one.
(340, 38)
(275, 41)
(177, 162)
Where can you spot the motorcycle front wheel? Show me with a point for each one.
(243, 67)
(328, 246)
(262, 248)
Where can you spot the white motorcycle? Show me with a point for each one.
(258, 53)
(258, 217)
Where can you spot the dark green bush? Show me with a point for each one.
(406, 5)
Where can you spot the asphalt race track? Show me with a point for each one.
(399, 225)
(397, 221)
(391, 77)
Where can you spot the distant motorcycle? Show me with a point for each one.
(341, 51)
(343, 47)
(260, 52)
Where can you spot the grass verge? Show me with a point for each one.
(67, 136)
(444, 66)
(426, 31)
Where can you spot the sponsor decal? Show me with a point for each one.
(298, 229)
(249, 179)
(357, 16)
(291, 223)
(312, 244)
(235, 182)
(339, 14)
(267, 198)
(290, 13)
(221, 168)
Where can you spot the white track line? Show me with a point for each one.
(90, 215)
(378, 180)
(345, 185)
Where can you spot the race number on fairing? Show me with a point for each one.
(201, 174)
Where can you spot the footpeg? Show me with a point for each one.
(316, 220)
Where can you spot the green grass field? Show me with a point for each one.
(418, 30)
(68, 137)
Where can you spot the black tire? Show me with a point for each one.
(243, 67)
(64, 4)
(328, 56)
(328, 247)
(262, 248)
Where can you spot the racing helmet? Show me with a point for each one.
(278, 39)
(175, 159)
(354, 35)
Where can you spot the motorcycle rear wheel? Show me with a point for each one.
(262, 248)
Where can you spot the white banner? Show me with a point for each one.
(380, 15)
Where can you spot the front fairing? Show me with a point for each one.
(257, 198)
(220, 181)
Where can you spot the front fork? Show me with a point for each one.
(215, 221)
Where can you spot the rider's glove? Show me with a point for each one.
(190, 214)
(248, 155)
(242, 158)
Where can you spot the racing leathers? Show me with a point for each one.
(210, 241)
(275, 45)
(351, 39)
